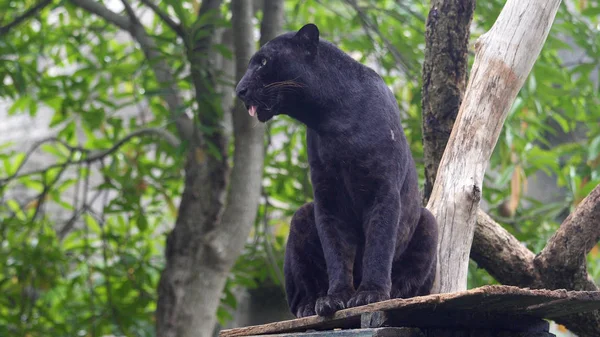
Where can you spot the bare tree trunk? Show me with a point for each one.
(202, 250)
(272, 20)
(501, 254)
(444, 78)
(190, 285)
(504, 58)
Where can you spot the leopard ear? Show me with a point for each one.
(308, 36)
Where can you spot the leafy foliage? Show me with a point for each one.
(82, 242)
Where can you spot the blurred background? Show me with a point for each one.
(97, 100)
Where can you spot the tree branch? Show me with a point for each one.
(161, 69)
(563, 261)
(208, 5)
(509, 262)
(93, 155)
(199, 46)
(501, 254)
(69, 224)
(28, 154)
(100, 10)
(187, 303)
(131, 14)
(47, 187)
(242, 200)
(28, 13)
(176, 27)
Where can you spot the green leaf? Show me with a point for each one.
(564, 124)
(94, 118)
(92, 224)
(16, 208)
(591, 11)
(19, 105)
(224, 50)
(141, 222)
(594, 148)
(33, 107)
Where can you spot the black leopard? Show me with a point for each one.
(365, 237)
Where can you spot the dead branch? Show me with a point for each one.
(495, 249)
(562, 262)
(501, 254)
(504, 57)
(509, 262)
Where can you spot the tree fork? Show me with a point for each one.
(494, 248)
(504, 57)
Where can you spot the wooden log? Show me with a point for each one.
(472, 309)
(412, 332)
(379, 332)
(463, 320)
(504, 57)
(483, 333)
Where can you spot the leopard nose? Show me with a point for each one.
(241, 92)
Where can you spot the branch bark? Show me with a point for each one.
(203, 74)
(562, 263)
(501, 254)
(509, 262)
(444, 78)
(504, 58)
(242, 202)
(190, 284)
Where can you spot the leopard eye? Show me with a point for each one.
(263, 61)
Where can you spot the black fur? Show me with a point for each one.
(366, 237)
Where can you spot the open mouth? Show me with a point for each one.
(252, 110)
(262, 114)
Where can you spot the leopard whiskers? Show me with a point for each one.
(284, 84)
(274, 91)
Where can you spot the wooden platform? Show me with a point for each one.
(504, 308)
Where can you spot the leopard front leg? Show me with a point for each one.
(381, 235)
